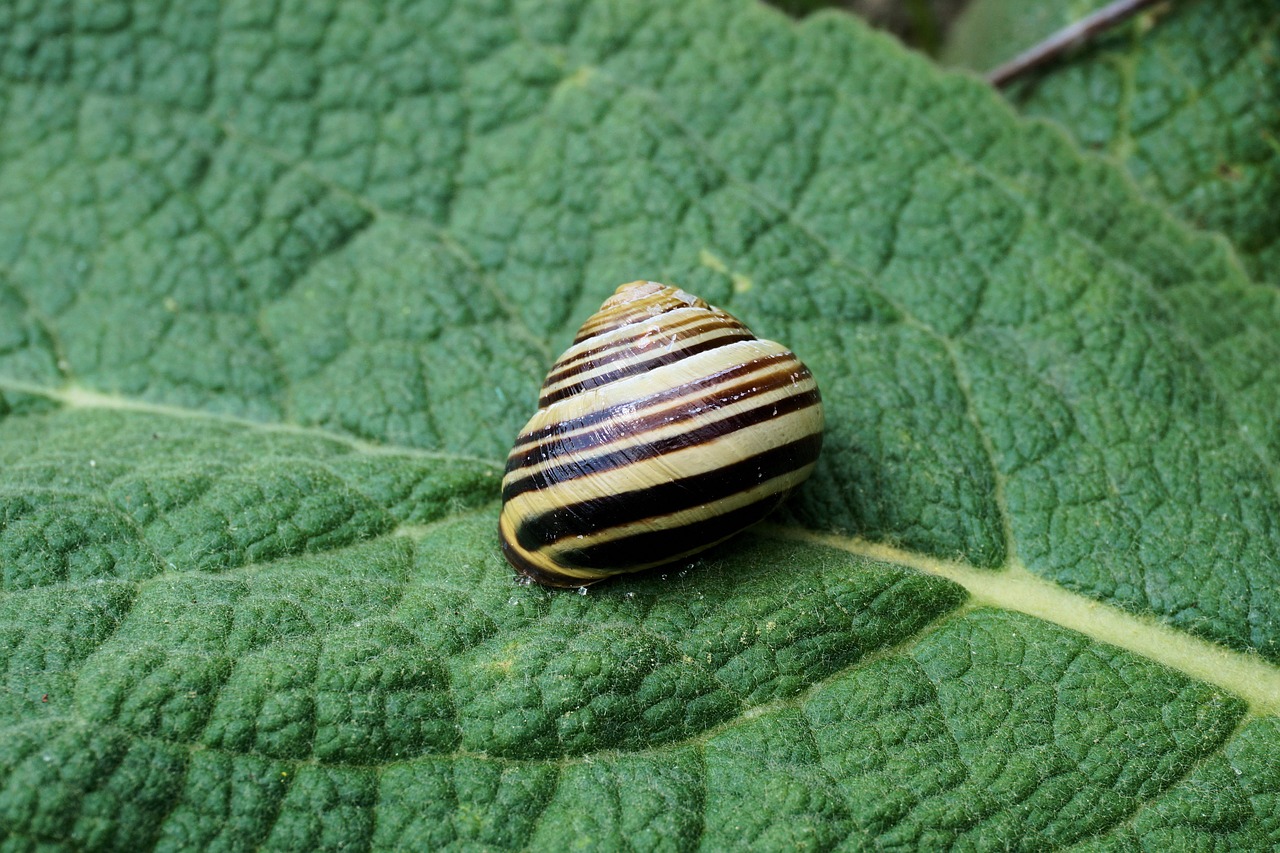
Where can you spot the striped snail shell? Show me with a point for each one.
(664, 429)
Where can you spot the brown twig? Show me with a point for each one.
(1066, 38)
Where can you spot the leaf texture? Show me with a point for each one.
(1185, 100)
(277, 286)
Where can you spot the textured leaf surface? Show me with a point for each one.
(1186, 101)
(277, 288)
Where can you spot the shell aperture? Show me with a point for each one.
(664, 429)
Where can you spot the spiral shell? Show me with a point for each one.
(664, 429)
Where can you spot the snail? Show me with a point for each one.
(665, 428)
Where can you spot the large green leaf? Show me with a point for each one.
(278, 286)
(1185, 99)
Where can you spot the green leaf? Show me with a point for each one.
(277, 287)
(1184, 99)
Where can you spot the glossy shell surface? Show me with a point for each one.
(664, 429)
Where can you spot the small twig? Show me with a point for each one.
(1066, 38)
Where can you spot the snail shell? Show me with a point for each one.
(664, 429)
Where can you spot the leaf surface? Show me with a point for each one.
(1184, 99)
(278, 287)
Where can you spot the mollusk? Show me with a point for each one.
(664, 429)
